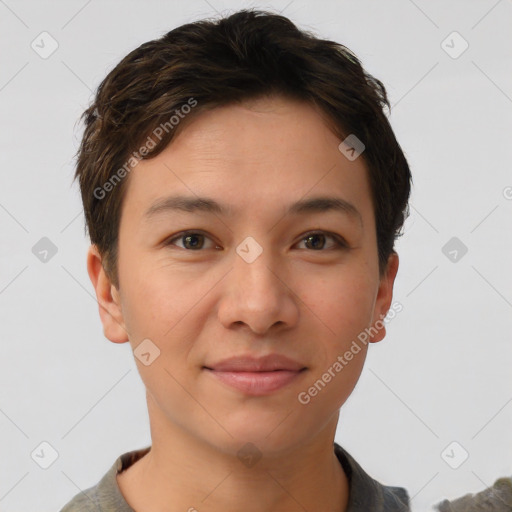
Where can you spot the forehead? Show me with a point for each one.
(250, 159)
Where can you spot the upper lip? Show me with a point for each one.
(268, 363)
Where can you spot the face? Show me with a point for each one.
(251, 277)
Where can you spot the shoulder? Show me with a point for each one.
(497, 498)
(368, 494)
(85, 501)
(106, 496)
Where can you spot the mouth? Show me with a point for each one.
(256, 375)
(256, 383)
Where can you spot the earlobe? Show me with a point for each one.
(107, 297)
(384, 299)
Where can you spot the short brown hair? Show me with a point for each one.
(246, 55)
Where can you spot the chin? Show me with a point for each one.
(266, 434)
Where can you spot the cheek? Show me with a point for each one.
(345, 304)
(326, 392)
(170, 308)
(160, 296)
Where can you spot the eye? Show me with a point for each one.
(192, 240)
(316, 240)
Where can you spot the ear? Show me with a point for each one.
(383, 300)
(108, 298)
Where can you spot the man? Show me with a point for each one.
(243, 190)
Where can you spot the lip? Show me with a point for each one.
(257, 376)
(256, 383)
(268, 363)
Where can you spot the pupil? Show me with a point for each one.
(313, 237)
(189, 237)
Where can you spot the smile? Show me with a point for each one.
(256, 383)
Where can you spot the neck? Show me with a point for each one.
(188, 474)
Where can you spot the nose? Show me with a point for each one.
(258, 294)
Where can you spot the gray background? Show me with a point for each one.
(442, 374)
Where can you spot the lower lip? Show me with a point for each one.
(257, 383)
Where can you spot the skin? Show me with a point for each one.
(199, 306)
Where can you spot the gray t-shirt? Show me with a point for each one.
(366, 494)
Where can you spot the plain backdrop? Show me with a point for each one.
(443, 373)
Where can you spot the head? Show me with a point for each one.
(248, 112)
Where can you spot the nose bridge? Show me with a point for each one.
(253, 264)
(254, 294)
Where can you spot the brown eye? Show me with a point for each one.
(191, 240)
(316, 240)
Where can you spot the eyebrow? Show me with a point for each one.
(192, 204)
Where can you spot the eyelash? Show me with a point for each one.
(339, 241)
